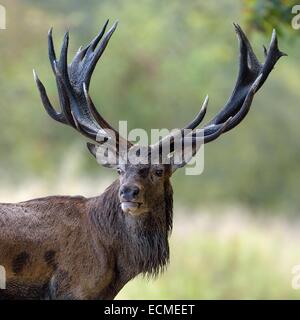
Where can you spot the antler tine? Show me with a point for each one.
(81, 52)
(60, 117)
(64, 98)
(46, 102)
(51, 50)
(248, 61)
(99, 36)
(192, 125)
(273, 55)
(62, 64)
(199, 117)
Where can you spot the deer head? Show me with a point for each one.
(142, 185)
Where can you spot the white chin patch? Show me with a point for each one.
(129, 207)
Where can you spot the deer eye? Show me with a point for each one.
(143, 172)
(159, 172)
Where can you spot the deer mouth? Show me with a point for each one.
(130, 206)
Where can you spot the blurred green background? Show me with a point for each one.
(235, 233)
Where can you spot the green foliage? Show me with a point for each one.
(162, 61)
(266, 15)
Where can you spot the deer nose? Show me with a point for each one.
(129, 193)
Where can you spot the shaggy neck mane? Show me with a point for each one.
(142, 241)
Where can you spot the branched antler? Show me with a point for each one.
(251, 77)
(77, 107)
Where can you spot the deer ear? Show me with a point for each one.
(104, 155)
(92, 149)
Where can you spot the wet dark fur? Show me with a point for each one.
(78, 248)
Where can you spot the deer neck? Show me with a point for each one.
(140, 242)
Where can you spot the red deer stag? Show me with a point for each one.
(64, 247)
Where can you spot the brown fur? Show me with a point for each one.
(78, 248)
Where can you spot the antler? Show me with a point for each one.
(79, 111)
(77, 107)
(251, 77)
